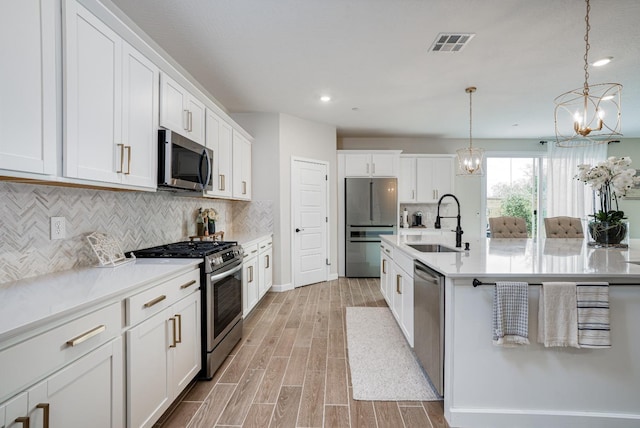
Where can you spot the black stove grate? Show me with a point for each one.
(185, 249)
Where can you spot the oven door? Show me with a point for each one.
(223, 303)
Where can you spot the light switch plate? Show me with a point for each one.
(58, 228)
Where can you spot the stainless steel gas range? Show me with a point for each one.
(221, 288)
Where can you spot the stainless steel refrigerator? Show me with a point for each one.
(371, 210)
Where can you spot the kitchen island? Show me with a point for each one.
(533, 386)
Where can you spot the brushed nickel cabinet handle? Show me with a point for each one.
(367, 168)
(250, 273)
(190, 121)
(154, 301)
(373, 168)
(220, 182)
(45, 415)
(121, 158)
(173, 330)
(179, 319)
(187, 285)
(24, 420)
(86, 336)
(244, 187)
(268, 261)
(128, 160)
(413, 194)
(398, 281)
(384, 265)
(185, 119)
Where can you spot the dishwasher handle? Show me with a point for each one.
(425, 275)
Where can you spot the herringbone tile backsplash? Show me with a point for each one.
(135, 219)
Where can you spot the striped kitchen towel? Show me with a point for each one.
(594, 330)
(511, 314)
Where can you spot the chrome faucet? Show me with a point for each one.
(459, 231)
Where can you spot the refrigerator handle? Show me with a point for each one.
(371, 200)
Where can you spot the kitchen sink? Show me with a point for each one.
(433, 248)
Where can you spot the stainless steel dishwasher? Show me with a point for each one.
(428, 317)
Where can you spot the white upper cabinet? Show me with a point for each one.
(180, 111)
(219, 138)
(371, 165)
(424, 179)
(28, 86)
(241, 167)
(110, 104)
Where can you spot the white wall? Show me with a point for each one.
(278, 138)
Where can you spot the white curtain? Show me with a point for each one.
(567, 196)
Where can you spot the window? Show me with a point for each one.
(513, 187)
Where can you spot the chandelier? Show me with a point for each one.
(590, 114)
(470, 158)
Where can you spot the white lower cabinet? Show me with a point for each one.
(250, 287)
(163, 356)
(265, 268)
(396, 283)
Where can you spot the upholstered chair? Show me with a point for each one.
(508, 227)
(563, 227)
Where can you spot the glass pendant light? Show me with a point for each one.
(470, 158)
(590, 114)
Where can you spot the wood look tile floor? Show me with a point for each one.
(291, 370)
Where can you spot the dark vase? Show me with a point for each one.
(607, 233)
(212, 227)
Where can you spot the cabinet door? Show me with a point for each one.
(185, 359)
(93, 89)
(407, 180)
(28, 86)
(218, 139)
(87, 393)
(356, 165)
(406, 318)
(148, 388)
(383, 165)
(241, 167)
(443, 171)
(196, 119)
(250, 290)
(173, 100)
(425, 188)
(265, 280)
(139, 119)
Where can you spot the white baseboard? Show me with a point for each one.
(332, 277)
(278, 288)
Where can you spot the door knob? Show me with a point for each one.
(298, 230)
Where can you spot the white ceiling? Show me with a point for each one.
(372, 55)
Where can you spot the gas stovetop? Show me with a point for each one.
(186, 249)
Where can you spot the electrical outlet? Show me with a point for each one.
(58, 228)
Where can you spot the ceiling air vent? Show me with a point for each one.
(451, 42)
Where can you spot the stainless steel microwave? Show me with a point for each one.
(183, 164)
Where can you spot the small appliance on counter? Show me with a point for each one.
(417, 219)
(405, 219)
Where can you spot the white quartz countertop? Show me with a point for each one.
(244, 238)
(36, 301)
(561, 258)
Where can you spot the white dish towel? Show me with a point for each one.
(558, 315)
(510, 314)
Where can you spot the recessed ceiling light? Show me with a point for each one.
(603, 61)
(325, 98)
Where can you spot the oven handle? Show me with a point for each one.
(225, 273)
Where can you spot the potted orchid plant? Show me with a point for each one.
(609, 180)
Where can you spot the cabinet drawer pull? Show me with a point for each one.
(398, 281)
(173, 330)
(254, 251)
(154, 301)
(128, 160)
(373, 168)
(88, 335)
(24, 420)
(187, 285)
(120, 171)
(185, 119)
(45, 415)
(179, 319)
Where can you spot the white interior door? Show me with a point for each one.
(309, 184)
